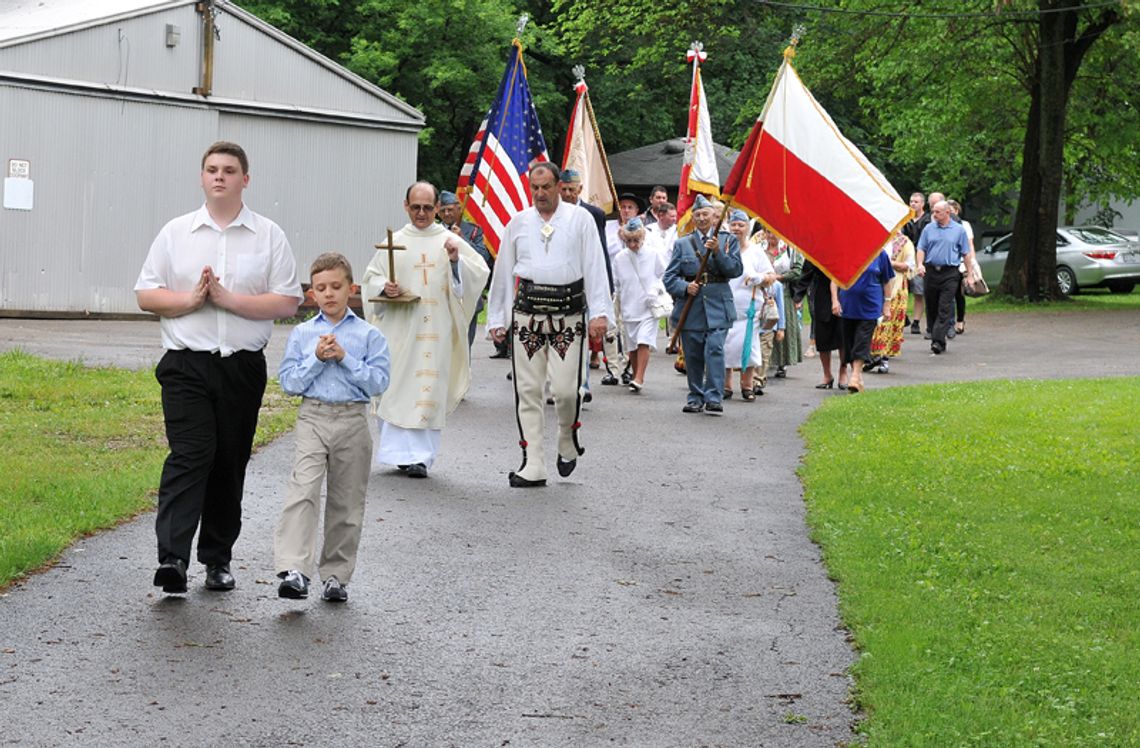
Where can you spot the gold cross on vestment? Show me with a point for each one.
(405, 296)
(423, 264)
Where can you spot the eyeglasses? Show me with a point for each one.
(422, 208)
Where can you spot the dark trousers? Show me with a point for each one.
(210, 406)
(960, 298)
(704, 364)
(857, 334)
(941, 287)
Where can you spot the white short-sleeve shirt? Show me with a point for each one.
(250, 256)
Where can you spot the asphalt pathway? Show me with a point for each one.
(666, 594)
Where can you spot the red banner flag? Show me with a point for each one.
(811, 186)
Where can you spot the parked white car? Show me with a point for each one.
(1087, 257)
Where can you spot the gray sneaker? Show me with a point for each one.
(294, 585)
(335, 592)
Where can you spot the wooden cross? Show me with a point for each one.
(405, 297)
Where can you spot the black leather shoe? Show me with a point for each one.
(587, 397)
(500, 354)
(609, 379)
(714, 408)
(419, 470)
(693, 408)
(565, 467)
(781, 372)
(171, 577)
(518, 481)
(218, 577)
(937, 349)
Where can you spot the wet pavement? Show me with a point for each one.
(665, 594)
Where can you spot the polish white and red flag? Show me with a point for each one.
(493, 183)
(698, 169)
(811, 186)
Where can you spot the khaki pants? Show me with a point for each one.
(331, 439)
(611, 348)
(767, 342)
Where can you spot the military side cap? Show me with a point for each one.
(571, 176)
(701, 202)
(448, 198)
(634, 224)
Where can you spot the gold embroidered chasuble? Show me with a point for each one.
(427, 339)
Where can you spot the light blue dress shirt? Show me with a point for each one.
(361, 375)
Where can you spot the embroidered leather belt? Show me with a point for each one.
(545, 298)
(708, 278)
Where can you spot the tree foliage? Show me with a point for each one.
(940, 97)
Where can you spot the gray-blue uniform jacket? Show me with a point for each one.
(712, 307)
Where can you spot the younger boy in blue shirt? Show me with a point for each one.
(337, 362)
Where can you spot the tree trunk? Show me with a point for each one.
(1031, 267)
(1019, 279)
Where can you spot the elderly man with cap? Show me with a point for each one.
(711, 311)
(450, 214)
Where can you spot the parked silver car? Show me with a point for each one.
(1087, 257)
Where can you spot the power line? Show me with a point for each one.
(1005, 14)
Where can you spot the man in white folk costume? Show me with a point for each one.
(427, 338)
(550, 275)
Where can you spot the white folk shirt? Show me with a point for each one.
(571, 252)
(664, 238)
(250, 256)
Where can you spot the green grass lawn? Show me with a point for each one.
(986, 543)
(83, 449)
(1094, 299)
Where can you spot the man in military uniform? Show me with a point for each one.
(711, 312)
(451, 216)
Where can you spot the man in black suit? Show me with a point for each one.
(570, 187)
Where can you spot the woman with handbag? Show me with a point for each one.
(960, 297)
(789, 266)
(644, 301)
(888, 339)
(742, 350)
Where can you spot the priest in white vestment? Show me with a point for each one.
(427, 338)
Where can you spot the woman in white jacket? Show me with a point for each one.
(757, 275)
(637, 282)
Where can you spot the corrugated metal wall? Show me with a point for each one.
(329, 188)
(110, 168)
(133, 53)
(127, 53)
(109, 173)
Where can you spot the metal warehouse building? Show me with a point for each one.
(106, 108)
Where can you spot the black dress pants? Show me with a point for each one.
(941, 287)
(210, 405)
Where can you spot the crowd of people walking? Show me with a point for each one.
(566, 293)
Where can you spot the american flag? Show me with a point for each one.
(493, 182)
